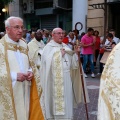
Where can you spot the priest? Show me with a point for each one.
(36, 46)
(18, 76)
(109, 96)
(60, 79)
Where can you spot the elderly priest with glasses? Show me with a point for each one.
(18, 76)
(60, 79)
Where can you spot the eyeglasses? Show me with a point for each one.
(60, 33)
(17, 27)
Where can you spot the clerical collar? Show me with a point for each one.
(55, 43)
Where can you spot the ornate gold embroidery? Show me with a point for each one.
(9, 79)
(7, 109)
(107, 104)
(59, 87)
(117, 116)
(14, 47)
(110, 82)
(6, 103)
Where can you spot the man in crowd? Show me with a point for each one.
(109, 96)
(108, 48)
(87, 50)
(36, 46)
(115, 39)
(17, 84)
(60, 78)
(28, 37)
(46, 37)
(71, 40)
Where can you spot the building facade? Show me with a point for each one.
(66, 13)
(43, 13)
(114, 16)
(96, 17)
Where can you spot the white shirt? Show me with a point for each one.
(20, 62)
(117, 40)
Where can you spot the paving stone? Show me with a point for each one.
(93, 91)
(92, 87)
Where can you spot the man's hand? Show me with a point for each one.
(29, 76)
(21, 77)
(77, 49)
(63, 52)
(91, 44)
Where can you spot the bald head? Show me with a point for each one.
(57, 35)
(55, 30)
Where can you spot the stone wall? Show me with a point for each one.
(15, 8)
(95, 17)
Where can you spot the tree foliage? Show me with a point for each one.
(6, 1)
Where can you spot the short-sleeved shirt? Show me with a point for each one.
(87, 40)
(109, 45)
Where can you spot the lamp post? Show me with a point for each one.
(104, 7)
(5, 12)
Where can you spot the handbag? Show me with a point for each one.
(104, 57)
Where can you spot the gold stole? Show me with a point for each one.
(35, 108)
(59, 103)
(7, 105)
(21, 89)
(35, 94)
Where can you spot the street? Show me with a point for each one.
(93, 91)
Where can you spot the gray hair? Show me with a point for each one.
(7, 22)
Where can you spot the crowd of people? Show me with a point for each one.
(92, 45)
(40, 72)
(38, 76)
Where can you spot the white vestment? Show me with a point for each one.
(18, 63)
(35, 51)
(109, 96)
(58, 83)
